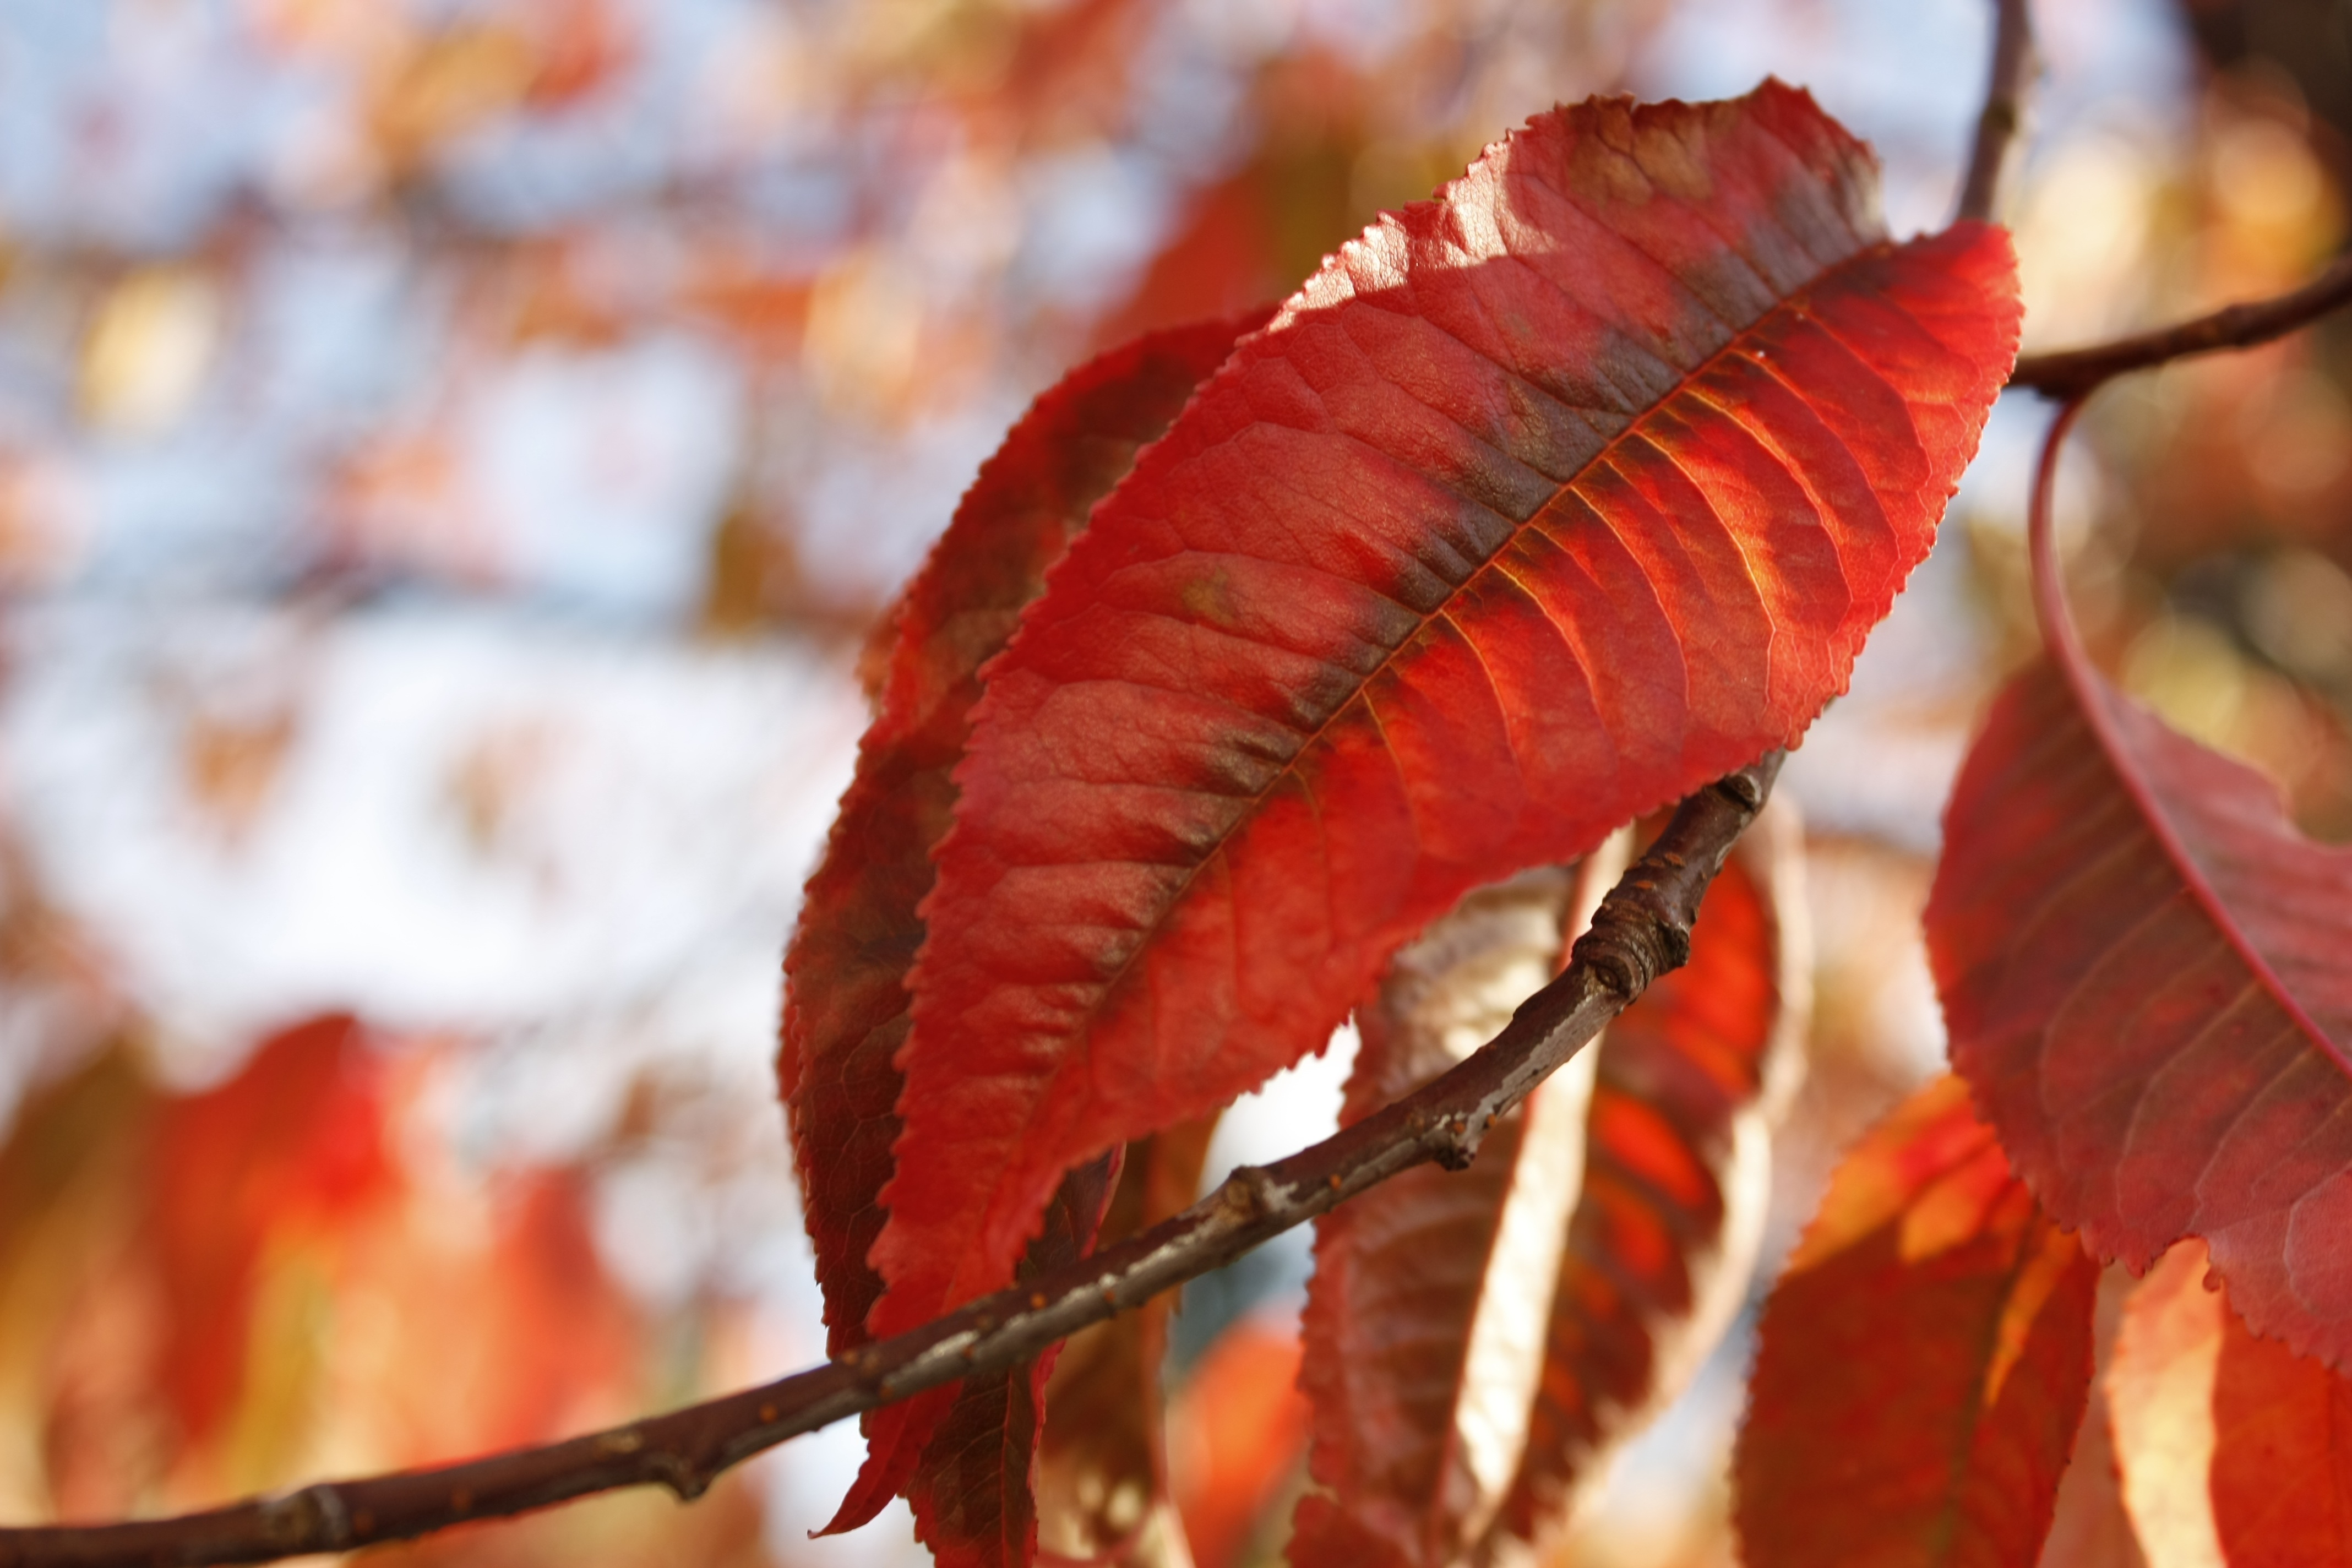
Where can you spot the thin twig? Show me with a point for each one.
(2004, 109)
(1641, 930)
(2067, 377)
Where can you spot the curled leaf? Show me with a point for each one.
(1677, 1174)
(1424, 1319)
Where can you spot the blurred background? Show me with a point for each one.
(452, 453)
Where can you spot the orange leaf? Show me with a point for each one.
(1924, 1364)
(1236, 1430)
(293, 1142)
(2234, 1449)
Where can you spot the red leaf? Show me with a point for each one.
(2142, 970)
(1676, 1175)
(2234, 1449)
(294, 1139)
(1646, 394)
(1424, 1316)
(845, 1002)
(1924, 1364)
(973, 1488)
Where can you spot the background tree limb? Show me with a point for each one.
(2067, 376)
(2003, 115)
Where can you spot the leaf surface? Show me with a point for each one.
(1677, 1174)
(1924, 1362)
(2143, 969)
(845, 999)
(2234, 1450)
(1540, 506)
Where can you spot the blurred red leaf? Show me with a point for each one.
(845, 1000)
(293, 1143)
(1924, 1362)
(1299, 685)
(1676, 1175)
(1236, 1432)
(2142, 965)
(556, 1324)
(2234, 1449)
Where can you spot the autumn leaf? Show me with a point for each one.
(1677, 1173)
(1540, 506)
(845, 1000)
(1426, 1314)
(1923, 1364)
(2142, 965)
(70, 1177)
(293, 1143)
(2235, 1451)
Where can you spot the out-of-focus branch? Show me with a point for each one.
(2070, 375)
(1641, 931)
(2004, 108)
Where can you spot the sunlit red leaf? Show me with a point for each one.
(295, 1141)
(2235, 1451)
(1539, 507)
(1924, 1364)
(1676, 1175)
(1101, 1471)
(2143, 967)
(1425, 1316)
(845, 1002)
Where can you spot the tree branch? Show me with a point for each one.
(1641, 931)
(2004, 109)
(2069, 376)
